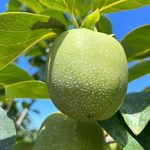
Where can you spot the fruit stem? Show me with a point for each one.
(74, 20)
(71, 15)
(110, 5)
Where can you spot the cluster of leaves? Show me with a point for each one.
(32, 34)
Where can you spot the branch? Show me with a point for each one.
(23, 114)
(109, 140)
(74, 20)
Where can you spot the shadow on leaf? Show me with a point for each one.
(52, 23)
(136, 102)
(114, 127)
(8, 143)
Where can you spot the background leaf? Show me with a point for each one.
(59, 15)
(139, 70)
(82, 7)
(13, 74)
(27, 89)
(147, 89)
(125, 5)
(19, 35)
(116, 130)
(137, 43)
(136, 111)
(35, 51)
(14, 5)
(7, 131)
(104, 25)
(33, 5)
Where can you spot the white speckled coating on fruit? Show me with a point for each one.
(87, 74)
(59, 132)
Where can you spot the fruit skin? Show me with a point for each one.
(87, 74)
(24, 146)
(59, 132)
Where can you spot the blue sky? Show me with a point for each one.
(123, 23)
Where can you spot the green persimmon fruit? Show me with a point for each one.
(24, 146)
(87, 74)
(59, 132)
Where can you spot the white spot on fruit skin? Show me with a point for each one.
(88, 71)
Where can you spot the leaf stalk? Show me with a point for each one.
(71, 15)
(74, 20)
(112, 4)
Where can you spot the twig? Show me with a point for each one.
(71, 15)
(9, 105)
(105, 134)
(109, 140)
(23, 114)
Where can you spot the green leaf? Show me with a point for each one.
(7, 131)
(137, 43)
(59, 15)
(24, 146)
(104, 25)
(139, 70)
(62, 5)
(146, 89)
(37, 62)
(35, 51)
(13, 74)
(25, 105)
(38, 8)
(91, 20)
(116, 130)
(110, 6)
(82, 7)
(136, 111)
(33, 5)
(14, 5)
(69, 5)
(52, 23)
(27, 89)
(144, 137)
(18, 36)
(2, 92)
